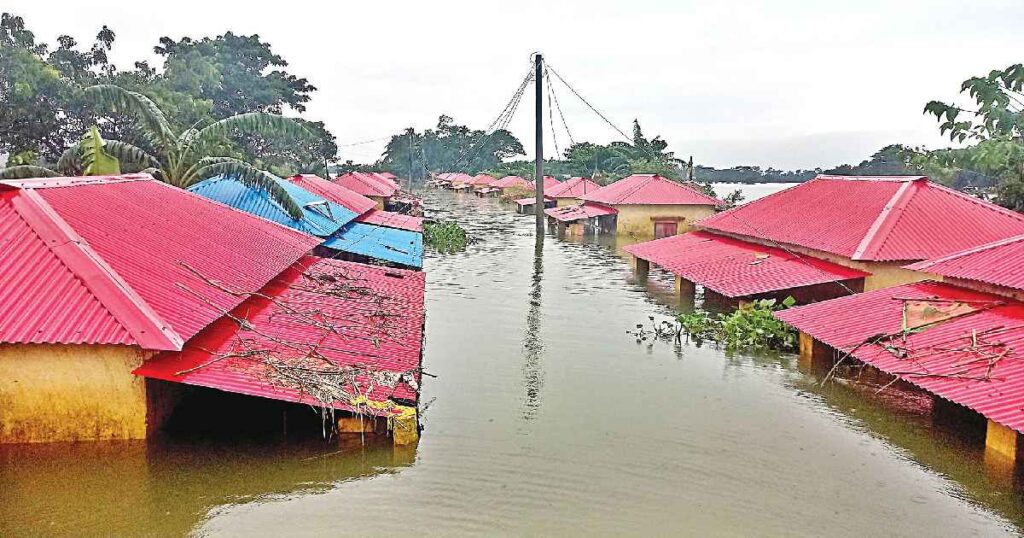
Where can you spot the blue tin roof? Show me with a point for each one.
(320, 217)
(388, 244)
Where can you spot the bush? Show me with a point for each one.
(445, 237)
(751, 326)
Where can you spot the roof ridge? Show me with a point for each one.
(879, 230)
(126, 306)
(926, 264)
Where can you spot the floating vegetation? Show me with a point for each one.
(751, 327)
(445, 237)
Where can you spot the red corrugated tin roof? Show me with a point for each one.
(122, 256)
(367, 184)
(736, 268)
(392, 220)
(512, 181)
(572, 188)
(459, 177)
(334, 192)
(871, 218)
(549, 183)
(649, 189)
(1000, 263)
(941, 349)
(379, 318)
(571, 213)
(481, 180)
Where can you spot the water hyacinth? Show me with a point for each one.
(445, 237)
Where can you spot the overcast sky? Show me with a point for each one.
(789, 84)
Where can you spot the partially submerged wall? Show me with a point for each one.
(638, 220)
(70, 393)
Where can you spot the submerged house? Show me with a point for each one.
(960, 340)
(512, 182)
(342, 235)
(571, 191)
(102, 274)
(378, 188)
(364, 207)
(641, 205)
(828, 237)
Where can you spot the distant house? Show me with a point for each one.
(828, 237)
(512, 182)
(364, 207)
(960, 340)
(644, 205)
(378, 188)
(570, 191)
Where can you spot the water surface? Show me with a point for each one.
(546, 418)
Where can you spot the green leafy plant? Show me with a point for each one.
(445, 237)
(751, 327)
(180, 159)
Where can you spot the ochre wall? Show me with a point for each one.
(380, 201)
(637, 220)
(883, 274)
(70, 393)
(562, 202)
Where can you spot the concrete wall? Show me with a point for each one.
(70, 393)
(562, 202)
(638, 220)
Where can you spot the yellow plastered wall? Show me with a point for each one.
(562, 202)
(380, 201)
(638, 220)
(883, 274)
(70, 393)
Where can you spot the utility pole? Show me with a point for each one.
(538, 174)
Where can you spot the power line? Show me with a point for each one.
(590, 106)
(365, 142)
(551, 115)
(554, 98)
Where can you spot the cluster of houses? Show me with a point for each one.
(897, 274)
(900, 275)
(640, 205)
(121, 296)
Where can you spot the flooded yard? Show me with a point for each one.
(546, 418)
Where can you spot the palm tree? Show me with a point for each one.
(180, 159)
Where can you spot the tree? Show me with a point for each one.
(447, 147)
(995, 126)
(186, 157)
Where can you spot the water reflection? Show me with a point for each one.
(167, 488)
(533, 344)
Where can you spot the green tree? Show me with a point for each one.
(181, 158)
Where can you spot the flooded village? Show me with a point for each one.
(220, 318)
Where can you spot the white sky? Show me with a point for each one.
(789, 84)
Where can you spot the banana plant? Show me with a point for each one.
(180, 159)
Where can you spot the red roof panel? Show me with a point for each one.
(871, 218)
(572, 213)
(1000, 263)
(736, 268)
(334, 192)
(374, 322)
(149, 253)
(940, 358)
(649, 189)
(572, 188)
(481, 180)
(367, 184)
(389, 219)
(512, 181)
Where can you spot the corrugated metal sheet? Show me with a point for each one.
(549, 183)
(571, 213)
(649, 189)
(523, 202)
(138, 247)
(380, 335)
(334, 192)
(41, 299)
(938, 350)
(572, 188)
(871, 218)
(1000, 263)
(320, 217)
(389, 219)
(388, 244)
(481, 180)
(737, 268)
(368, 184)
(512, 181)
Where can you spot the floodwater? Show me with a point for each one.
(546, 418)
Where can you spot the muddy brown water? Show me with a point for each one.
(546, 418)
